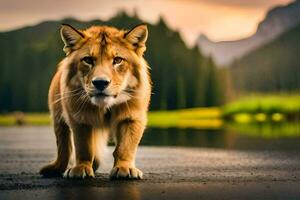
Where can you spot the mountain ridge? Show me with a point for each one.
(277, 21)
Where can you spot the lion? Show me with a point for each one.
(101, 89)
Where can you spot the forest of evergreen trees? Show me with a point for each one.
(273, 67)
(182, 77)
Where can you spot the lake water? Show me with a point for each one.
(225, 139)
(259, 137)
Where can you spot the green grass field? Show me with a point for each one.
(284, 103)
(249, 109)
(37, 119)
(264, 108)
(209, 118)
(188, 118)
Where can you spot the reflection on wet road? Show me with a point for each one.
(217, 161)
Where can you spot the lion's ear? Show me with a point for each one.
(70, 36)
(138, 35)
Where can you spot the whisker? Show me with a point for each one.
(82, 105)
(128, 107)
(71, 91)
(131, 96)
(68, 96)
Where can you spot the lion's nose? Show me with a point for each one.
(100, 83)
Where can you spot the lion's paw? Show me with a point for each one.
(127, 173)
(51, 170)
(80, 171)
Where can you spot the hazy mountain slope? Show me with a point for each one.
(273, 67)
(277, 21)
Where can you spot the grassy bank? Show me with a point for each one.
(189, 118)
(283, 107)
(36, 119)
(246, 110)
(207, 118)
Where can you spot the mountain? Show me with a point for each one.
(273, 67)
(277, 21)
(182, 77)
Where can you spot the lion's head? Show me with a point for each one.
(104, 61)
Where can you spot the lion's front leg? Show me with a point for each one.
(84, 151)
(128, 136)
(64, 149)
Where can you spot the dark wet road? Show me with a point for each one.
(169, 172)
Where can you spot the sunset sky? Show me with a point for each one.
(218, 19)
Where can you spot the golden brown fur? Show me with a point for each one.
(81, 111)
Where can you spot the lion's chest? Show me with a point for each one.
(90, 115)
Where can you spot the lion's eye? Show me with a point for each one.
(117, 60)
(88, 60)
